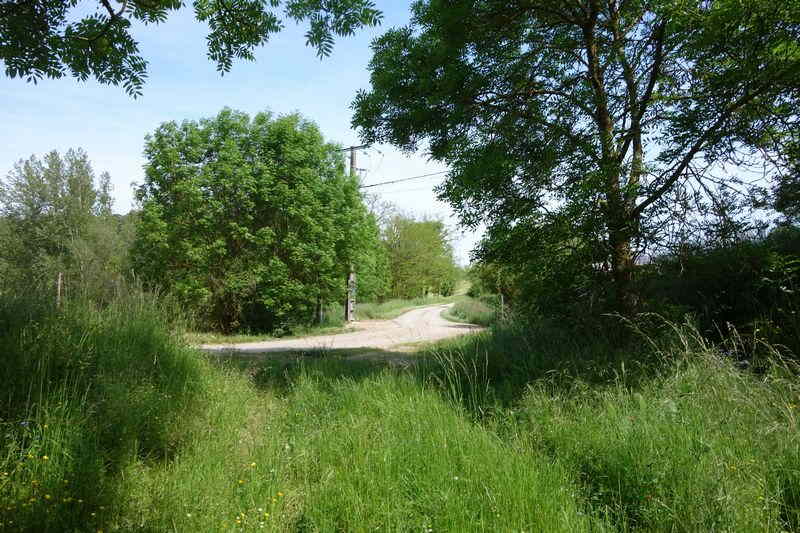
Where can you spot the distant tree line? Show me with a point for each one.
(55, 217)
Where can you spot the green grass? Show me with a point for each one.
(471, 311)
(523, 428)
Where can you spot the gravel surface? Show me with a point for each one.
(424, 324)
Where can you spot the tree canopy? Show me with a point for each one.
(252, 222)
(579, 130)
(54, 38)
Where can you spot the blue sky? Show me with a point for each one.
(183, 84)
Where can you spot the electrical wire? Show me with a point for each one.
(403, 179)
(405, 190)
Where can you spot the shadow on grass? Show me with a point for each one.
(278, 371)
(482, 371)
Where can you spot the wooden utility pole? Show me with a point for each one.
(350, 299)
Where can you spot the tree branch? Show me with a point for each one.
(112, 17)
(641, 106)
(695, 148)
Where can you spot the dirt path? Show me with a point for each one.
(418, 325)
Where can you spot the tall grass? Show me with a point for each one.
(85, 392)
(110, 423)
(665, 435)
(472, 311)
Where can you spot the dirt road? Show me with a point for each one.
(418, 325)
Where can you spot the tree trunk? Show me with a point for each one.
(622, 271)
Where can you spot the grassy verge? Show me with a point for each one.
(392, 308)
(110, 423)
(470, 311)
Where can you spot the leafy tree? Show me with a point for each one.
(54, 38)
(420, 257)
(50, 208)
(580, 126)
(250, 222)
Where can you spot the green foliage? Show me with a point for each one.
(750, 286)
(592, 129)
(252, 222)
(55, 38)
(787, 188)
(420, 257)
(56, 217)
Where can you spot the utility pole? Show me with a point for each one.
(350, 299)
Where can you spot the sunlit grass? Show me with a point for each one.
(110, 423)
(470, 311)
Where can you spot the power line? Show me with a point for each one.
(406, 190)
(403, 179)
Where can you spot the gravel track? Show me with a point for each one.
(424, 324)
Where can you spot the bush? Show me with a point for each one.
(750, 286)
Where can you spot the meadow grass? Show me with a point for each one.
(471, 311)
(111, 423)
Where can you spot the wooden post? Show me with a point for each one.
(58, 291)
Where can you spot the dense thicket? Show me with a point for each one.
(252, 222)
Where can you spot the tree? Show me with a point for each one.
(420, 257)
(56, 217)
(250, 222)
(53, 38)
(579, 125)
